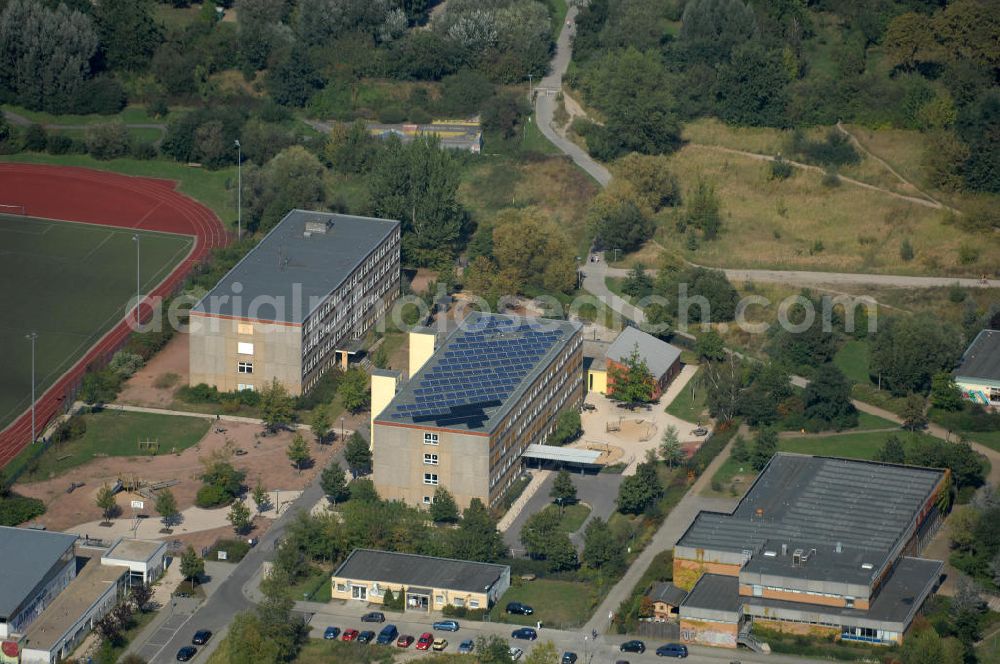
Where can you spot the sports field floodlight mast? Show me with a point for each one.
(239, 190)
(32, 336)
(138, 287)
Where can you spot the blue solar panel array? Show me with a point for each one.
(479, 369)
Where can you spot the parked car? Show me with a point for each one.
(201, 637)
(373, 616)
(634, 645)
(349, 635)
(447, 625)
(425, 641)
(589, 406)
(405, 641)
(387, 635)
(515, 653)
(525, 634)
(366, 636)
(440, 644)
(467, 646)
(672, 650)
(331, 633)
(186, 653)
(520, 609)
(568, 658)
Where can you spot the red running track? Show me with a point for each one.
(109, 199)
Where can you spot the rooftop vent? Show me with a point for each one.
(866, 566)
(770, 554)
(784, 549)
(759, 512)
(317, 227)
(840, 548)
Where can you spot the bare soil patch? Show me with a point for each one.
(142, 390)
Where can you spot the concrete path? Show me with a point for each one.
(538, 478)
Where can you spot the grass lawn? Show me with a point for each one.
(314, 587)
(559, 8)
(990, 439)
(208, 187)
(852, 359)
(689, 405)
(573, 517)
(70, 283)
(732, 473)
(861, 445)
(116, 433)
(534, 141)
(559, 604)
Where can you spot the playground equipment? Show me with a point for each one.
(151, 446)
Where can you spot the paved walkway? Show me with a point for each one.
(538, 478)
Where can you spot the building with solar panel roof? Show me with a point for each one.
(472, 406)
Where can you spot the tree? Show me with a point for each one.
(293, 78)
(247, 643)
(535, 250)
(602, 550)
(945, 394)
(631, 381)
(476, 537)
(641, 490)
(827, 399)
(751, 88)
(710, 346)
(358, 455)
(128, 32)
(914, 413)
(492, 650)
(139, 596)
(239, 516)
(106, 502)
(563, 491)
(703, 209)
(892, 451)
(166, 507)
(619, 222)
(333, 481)
(418, 184)
(725, 386)
(107, 140)
(927, 647)
(294, 178)
(260, 497)
(741, 449)
(908, 351)
(764, 447)
(651, 178)
(298, 452)
(711, 29)
(444, 509)
(542, 539)
(277, 408)
(568, 427)
(353, 390)
(192, 565)
(670, 447)
(770, 388)
(637, 281)
(545, 653)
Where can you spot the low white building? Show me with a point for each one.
(143, 558)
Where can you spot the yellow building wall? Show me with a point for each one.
(383, 390)
(421, 349)
(447, 596)
(597, 381)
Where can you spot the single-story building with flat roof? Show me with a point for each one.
(143, 558)
(427, 583)
(35, 566)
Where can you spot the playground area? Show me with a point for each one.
(264, 459)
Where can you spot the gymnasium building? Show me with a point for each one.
(473, 406)
(300, 302)
(818, 546)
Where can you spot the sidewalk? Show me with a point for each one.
(537, 478)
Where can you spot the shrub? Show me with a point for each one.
(158, 108)
(968, 254)
(211, 495)
(104, 95)
(35, 138)
(391, 115)
(450, 611)
(71, 429)
(830, 178)
(125, 364)
(15, 509)
(200, 393)
(58, 144)
(107, 141)
(906, 250)
(235, 549)
(143, 150)
(781, 169)
(420, 116)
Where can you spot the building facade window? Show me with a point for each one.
(245, 367)
(430, 439)
(431, 478)
(244, 348)
(427, 500)
(473, 603)
(431, 459)
(359, 592)
(244, 386)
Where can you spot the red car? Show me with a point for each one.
(425, 641)
(349, 635)
(405, 641)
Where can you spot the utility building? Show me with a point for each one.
(473, 406)
(297, 304)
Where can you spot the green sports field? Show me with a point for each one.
(70, 283)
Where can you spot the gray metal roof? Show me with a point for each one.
(425, 571)
(480, 371)
(667, 593)
(296, 267)
(564, 454)
(815, 503)
(982, 357)
(715, 592)
(26, 557)
(658, 354)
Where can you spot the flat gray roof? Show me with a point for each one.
(658, 354)
(134, 550)
(424, 571)
(26, 557)
(715, 592)
(480, 371)
(982, 357)
(812, 502)
(564, 454)
(296, 267)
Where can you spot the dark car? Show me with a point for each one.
(373, 616)
(568, 658)
(520, 609)
(446, 625)
(405, 641)
(672, 650)
(201, 637)
(467, 646)
(366, 636)
(186, 653)
(525, 633)
(331, 633)
(387, 635)
(634, 645)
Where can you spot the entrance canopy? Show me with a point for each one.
(562, 454)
